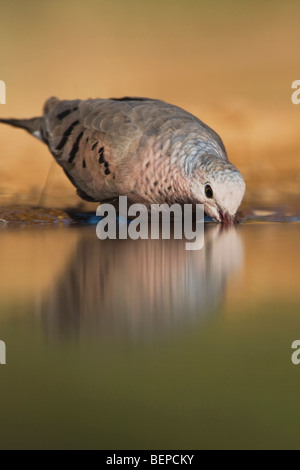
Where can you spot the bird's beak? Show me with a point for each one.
(226, 218)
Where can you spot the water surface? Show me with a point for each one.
(142, 344)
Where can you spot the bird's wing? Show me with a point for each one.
(92, 140)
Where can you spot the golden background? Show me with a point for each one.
(231, 63)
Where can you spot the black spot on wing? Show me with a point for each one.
(66, 113)
(83, 163)
(75, 148)
(101, 155)
(62, 143)
(66, 134)
(102, 160)
(69, 130)
(131, 98)
(94, 146)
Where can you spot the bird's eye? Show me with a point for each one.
(208, 191)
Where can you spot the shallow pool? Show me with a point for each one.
(141, 344)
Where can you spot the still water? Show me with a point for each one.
(142, 344)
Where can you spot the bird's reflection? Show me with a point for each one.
(140, 288)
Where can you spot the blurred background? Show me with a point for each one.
(230, 62)
(141, 344)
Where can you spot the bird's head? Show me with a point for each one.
(220, 187)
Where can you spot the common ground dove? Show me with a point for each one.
(145, 149)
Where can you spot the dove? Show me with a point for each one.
(146, 149)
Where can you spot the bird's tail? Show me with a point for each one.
(33, 125)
